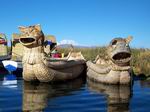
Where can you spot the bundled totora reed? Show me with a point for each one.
(17, 48)
(115, 67)
(36, 66)
(3, 45)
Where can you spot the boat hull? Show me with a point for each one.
(53, 71)
(107, 75)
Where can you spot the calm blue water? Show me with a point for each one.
(72, 96)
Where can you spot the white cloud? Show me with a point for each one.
(67, 42)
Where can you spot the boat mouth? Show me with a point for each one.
(27, 40)
(122, 58)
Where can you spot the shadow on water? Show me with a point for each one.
(17, 73)
(36, 95)
(145, 83)
(118, 96)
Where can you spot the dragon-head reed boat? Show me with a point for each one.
(115, 67)
(36, 64)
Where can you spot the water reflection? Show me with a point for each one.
(118, 96)
(145, 83)
(10, 81)
(4, 72)
(36, 95)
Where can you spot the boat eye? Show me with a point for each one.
(114, 42)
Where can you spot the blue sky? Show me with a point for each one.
(87, 22)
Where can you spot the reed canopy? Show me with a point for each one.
(3, 45)
(49, 43)
(17, 47)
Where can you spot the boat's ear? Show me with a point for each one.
(128, 39)
(22, 29)
(38, 27)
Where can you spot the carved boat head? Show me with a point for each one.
(31, 36)
(119, 51)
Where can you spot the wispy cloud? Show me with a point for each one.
(67, 42)
(74, 43)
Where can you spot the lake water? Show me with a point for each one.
(73, 96)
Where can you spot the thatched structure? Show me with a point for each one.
(115, 67)
(3, 45)
(49, 43)
(17, 47)
(35, 64)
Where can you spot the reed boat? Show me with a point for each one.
(115, 67)
(36, 66)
